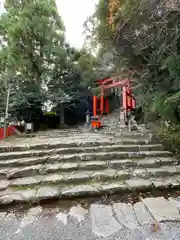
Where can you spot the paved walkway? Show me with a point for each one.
(151, 219)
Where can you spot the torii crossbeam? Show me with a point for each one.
(115, 82)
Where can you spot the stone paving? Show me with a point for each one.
(62, 164)
(151, 218)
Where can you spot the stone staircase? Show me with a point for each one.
(65, 164)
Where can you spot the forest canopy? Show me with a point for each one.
(36, 62)
(144, 36)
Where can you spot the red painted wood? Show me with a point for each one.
(9, 132)
(102, 104)
(107, 106)
(103, 81)
(133, 103)
(1, 133)
(116, 84)
(94, 105)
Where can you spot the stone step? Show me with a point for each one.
(37, 168)
(34, 195)
(89, 171)
(128, 134)
(111, 164)
(118, 136)
(57, 163)
(20, 179)
(152, 140)
(73, 144)
(110, 148)
(59, 133)
(103, 156)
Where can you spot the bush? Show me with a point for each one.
(170, 138)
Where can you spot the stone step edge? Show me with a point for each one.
(70, 145)
(102, 155)
(55, 162)
(35, 196)
(105, 130)
(96, 149)
(86, 176)
(39, 166)
(126, 133)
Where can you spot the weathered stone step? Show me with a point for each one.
(128, 134)
(73, 144)
(63, 171)
(109, 155)
(126, 138)
(20, 178)
(60, 133)
(115, 155)
(55, 163)
(55, 192)
(111, 164)
(32, 170)
(110, 148)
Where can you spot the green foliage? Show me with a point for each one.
(36, 63)
(87, 65)
(33, 35)
(96, 91)
(170, 138)
(33, 31)
(97, 30)
(159, 108)
(144, 36)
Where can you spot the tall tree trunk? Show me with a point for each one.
(61, 114)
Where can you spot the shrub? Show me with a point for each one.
(170, 138)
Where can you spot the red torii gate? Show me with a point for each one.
(129, 101)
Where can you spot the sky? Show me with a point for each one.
(1, 6)
(74, 13)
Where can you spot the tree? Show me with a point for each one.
(34, 31)
(36, 62)
(144, 36)
(33, 36)
(87, 66)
